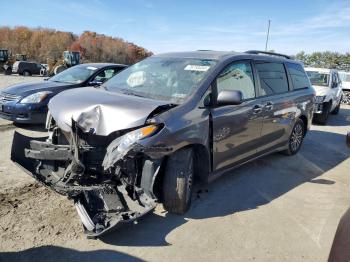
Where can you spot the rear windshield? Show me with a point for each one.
(74, 75)
(344, 77)
(318, 78)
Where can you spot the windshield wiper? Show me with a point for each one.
(131, 93)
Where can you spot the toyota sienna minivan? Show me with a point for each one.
(152, 131)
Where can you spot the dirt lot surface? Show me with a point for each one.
(277, 208)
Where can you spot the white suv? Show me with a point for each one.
(327, 85)
(345, 79)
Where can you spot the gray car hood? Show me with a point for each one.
(116, 111)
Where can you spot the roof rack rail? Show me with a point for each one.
(257, 52)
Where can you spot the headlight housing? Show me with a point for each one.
(120, 146)
(35, 98)
(133, 136)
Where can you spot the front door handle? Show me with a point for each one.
(268, 106)
(257, 109)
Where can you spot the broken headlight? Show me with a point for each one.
(123, 144)
(88, 121)
(133, 136)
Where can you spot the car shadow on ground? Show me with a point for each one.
(31, 127)
(54, 253)
(245, 188)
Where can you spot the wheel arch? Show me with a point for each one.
(306, 122)
(201, 167)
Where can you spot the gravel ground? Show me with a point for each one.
(277, 208)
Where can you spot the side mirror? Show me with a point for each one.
(232, 97)
(95, 83)
(334, 84)
(348, 139)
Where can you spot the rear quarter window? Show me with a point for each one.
(299, 78)
(273, 78)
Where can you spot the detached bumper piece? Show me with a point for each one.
(102, 208)
(106, 209)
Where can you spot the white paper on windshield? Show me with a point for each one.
(136, 79)
(179, 96)
(200, 68)
(91, 68)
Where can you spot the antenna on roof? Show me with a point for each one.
(267, 35)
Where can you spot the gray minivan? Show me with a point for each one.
(152, 131)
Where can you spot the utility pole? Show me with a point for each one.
(268, 33)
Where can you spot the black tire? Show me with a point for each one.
(336, 109)
(178, 181)
(59, 69)
(296, 138)
(322, 118)
(8, 71)
(26, 73)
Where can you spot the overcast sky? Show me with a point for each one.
(162, 26)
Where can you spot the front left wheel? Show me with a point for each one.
(296, 138)
(337, 108)
(178, 181)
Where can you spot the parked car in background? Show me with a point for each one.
(27, 102)
(345, 78)
(26, 68)
(329, 93)
(153, 130)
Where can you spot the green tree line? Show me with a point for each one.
(39, 44)
(325, 59)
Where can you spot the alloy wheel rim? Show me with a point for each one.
(296, 138)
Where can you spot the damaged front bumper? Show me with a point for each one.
(102, 204)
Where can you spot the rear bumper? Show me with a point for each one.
(102, 208)
(24, 113)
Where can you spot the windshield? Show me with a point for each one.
(318, 78)
(74, 75)
(344, 77)
(169, 79)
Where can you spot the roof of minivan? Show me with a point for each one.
(200, 54)
(218, 55)
(100, 65)
(321, 70)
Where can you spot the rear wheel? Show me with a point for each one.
(26, 73)
(178, 181)
(59, 69)
(296, 138)
(8, 71)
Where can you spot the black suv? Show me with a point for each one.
(153, 130)
(26, 68)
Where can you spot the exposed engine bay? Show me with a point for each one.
(109, 178)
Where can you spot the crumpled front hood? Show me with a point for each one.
(117, 111)
(321, 90)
